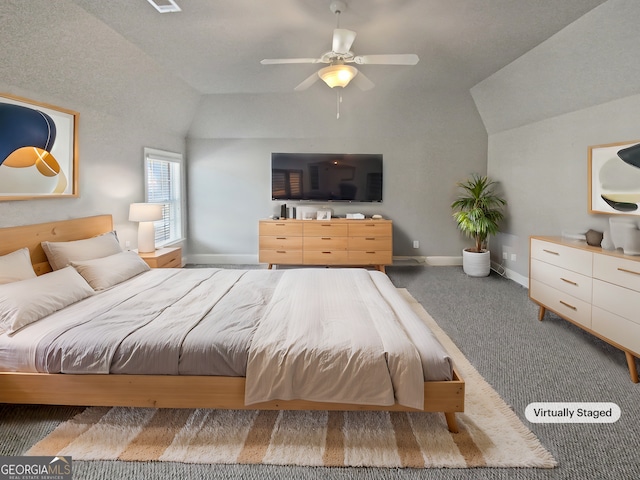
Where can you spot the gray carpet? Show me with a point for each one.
(495, 325)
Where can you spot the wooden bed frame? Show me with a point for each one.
(162, 391)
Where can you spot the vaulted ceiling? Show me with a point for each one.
(216, 46)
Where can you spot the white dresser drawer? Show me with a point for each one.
(566, 281)
(618, 300)
(619, 271)
(563, 304)
(573, 259)
(620, 330)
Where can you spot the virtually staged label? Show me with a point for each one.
(572, 412)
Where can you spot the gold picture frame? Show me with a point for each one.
(38, 150)
(614, 186)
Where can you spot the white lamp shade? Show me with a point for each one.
(337, 75)
(145, 212)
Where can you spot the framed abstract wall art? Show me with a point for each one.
(38, 150)
(614, 178)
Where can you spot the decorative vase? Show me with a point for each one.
(631, 242)
(594, 238)
(618, 227)
(607, 243)
(476, 264)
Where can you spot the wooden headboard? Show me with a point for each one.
(15, 238)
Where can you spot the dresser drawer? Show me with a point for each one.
(281, 256)
(280, 228)
(562, 279)
(325, 229)
(367, 229)
(325, 257)
(618, 300)
(280, 243)
(574, 259)
(618, 271)
(370, 257)
(620, 330)
(370, 243)
(326, 243)
(563, 304)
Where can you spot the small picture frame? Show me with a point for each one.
(323, 215)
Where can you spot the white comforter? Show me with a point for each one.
(330, 335)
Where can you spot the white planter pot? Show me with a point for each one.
(476, 264)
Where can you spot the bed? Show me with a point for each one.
(223, 360)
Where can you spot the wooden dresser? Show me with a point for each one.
(596, 289)
(326, 242)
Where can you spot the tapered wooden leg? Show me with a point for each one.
(541, 313)
(452, 423)
(633, 371)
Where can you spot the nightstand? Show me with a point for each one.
(163, 258)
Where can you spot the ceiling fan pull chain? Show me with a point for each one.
(338, 101)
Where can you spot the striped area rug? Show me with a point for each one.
(490, 434)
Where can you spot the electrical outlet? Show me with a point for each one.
(416, 244)
(504, 256)
(513, 257)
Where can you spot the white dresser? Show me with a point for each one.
(595, 289)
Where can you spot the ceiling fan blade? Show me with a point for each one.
(362, 82)
(306, 83)
(277, 61)
(393, 59)
(342, 40)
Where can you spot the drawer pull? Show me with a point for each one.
(280, 224)
(281, 238)
(281, 251)
(326, 225)
(327, 253)
(326, 238)
(628, 271)
(568, 281)
(550, 251)
(568, 305)
(369, 238)
(372, 253)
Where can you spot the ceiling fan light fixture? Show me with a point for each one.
(337, 75)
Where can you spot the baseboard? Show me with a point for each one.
(434, 261)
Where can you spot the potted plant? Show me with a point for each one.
(478, 212)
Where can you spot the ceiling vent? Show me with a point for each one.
(165, 6)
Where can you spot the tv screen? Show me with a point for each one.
(325, 177)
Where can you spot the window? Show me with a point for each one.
(163, 184)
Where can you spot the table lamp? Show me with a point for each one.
(146, 214)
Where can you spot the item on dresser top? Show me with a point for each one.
(618, 226)
(631, 244)
(607, 243)
(355, 216)
(594, 238)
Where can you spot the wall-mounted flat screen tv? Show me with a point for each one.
(325, 177)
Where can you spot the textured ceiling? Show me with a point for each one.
(216, 45)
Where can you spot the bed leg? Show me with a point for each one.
(452, 423)
(633, 371)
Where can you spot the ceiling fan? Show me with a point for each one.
(340, 73)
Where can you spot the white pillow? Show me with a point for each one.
(102, 273)
(16, 266)
(25, 302)
(60, 254)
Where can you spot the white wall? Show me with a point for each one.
(429, 141)
(580, 88)
(54, 52)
